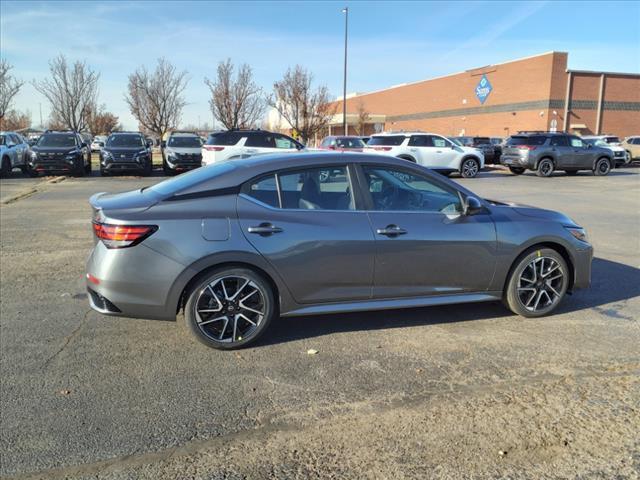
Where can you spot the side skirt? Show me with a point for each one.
(394, 303)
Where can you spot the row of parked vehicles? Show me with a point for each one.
(131, 152)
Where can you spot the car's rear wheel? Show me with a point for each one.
(545, 167)
(516, 170)
(469, 168)
(147, 169)
(87, 167)
(79, 169)
(538, 283)
(602, 167)
(230, 308)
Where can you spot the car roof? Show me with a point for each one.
(406, 134)
(183, 134)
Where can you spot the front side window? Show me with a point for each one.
(576, 142)
(324, 188)
(283, 141)
(399, 190)
(438, 142)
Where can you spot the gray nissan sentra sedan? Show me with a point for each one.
(239, 243)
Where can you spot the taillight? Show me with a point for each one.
(526, 147)
(382, 149)
(211, 148)
(122, 236)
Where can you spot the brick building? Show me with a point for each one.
(534, 93)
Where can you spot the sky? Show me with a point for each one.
(389, 42)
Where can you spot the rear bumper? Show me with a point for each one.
(131, 282)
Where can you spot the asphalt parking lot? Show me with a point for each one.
(444, 392)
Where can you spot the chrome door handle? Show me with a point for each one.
(413, 149)
(391, 231)
(264, 229)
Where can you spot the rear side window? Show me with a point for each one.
(420, 141)
(224, 138)
(260, 140)
(524, 140)
(324, 188)
(388, 140)
(559, 141)
(264, 189)
(190, 179)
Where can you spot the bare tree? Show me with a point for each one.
(9, 87)
(15, 120)
(102, 122)
(156, 98)
(363, 118)
(236, 103)
(72, 91)
(308, 111)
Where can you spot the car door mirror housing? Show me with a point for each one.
(471, 206)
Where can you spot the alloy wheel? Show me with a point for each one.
(546, 168)
(230, 309)
(469, 168)
(540, 284)
(603, 167)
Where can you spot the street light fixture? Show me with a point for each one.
(345, 10)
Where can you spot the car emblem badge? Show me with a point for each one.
(122, 156)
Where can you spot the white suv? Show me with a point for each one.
(234, 144)
(429, 150)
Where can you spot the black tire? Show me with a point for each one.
(168, 171)
(516, 170)
(469, 168)
(104, 173)
(147, 170)
(79, 169)
(5, 167)
(87, 168)
(571, 173)
(602, 167)
(29, 171)
(545, 167)
(196, 296)
(512, 295)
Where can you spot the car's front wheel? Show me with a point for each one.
(469, 168)
(230, 307)
(538, 283)
(602, 167)
(516, 170)
(5, 167)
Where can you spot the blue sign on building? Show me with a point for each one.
(483, 89)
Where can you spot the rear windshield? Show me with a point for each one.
(184, 142)
(224, 138)
(386, 140)
(522, 140)
(57, 140)
(349, 142)
(194, 177)
(125, 141)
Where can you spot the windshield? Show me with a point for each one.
(391, 140)
(60, 140)
(522, 140)
(120, 140)
(456, 141)
(184, 142)
(194, 177)
(349, 142)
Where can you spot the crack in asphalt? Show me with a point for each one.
(271, 425)
(68, 339)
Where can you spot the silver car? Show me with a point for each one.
(239, 243)
(14, 152)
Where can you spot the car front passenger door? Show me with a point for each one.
(425, 245)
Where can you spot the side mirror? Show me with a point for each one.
(471, 206)
(589, 145)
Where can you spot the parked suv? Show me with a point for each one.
(546, 152)
(429, 150)
(60, 152)
(126, 152)
(235, 144)
(14, 152)
(482, 143)
(632, 146)
(181, 152)
(342, 144)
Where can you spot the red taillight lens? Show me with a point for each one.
(211, 148)
(526, 147)
(382, 149)
(122, 236)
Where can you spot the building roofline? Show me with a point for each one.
(451, 74)
(595, 72)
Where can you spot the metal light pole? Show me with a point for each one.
(345, 10)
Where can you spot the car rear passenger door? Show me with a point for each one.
(562, 151)
(311, 232)
(424, 244)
